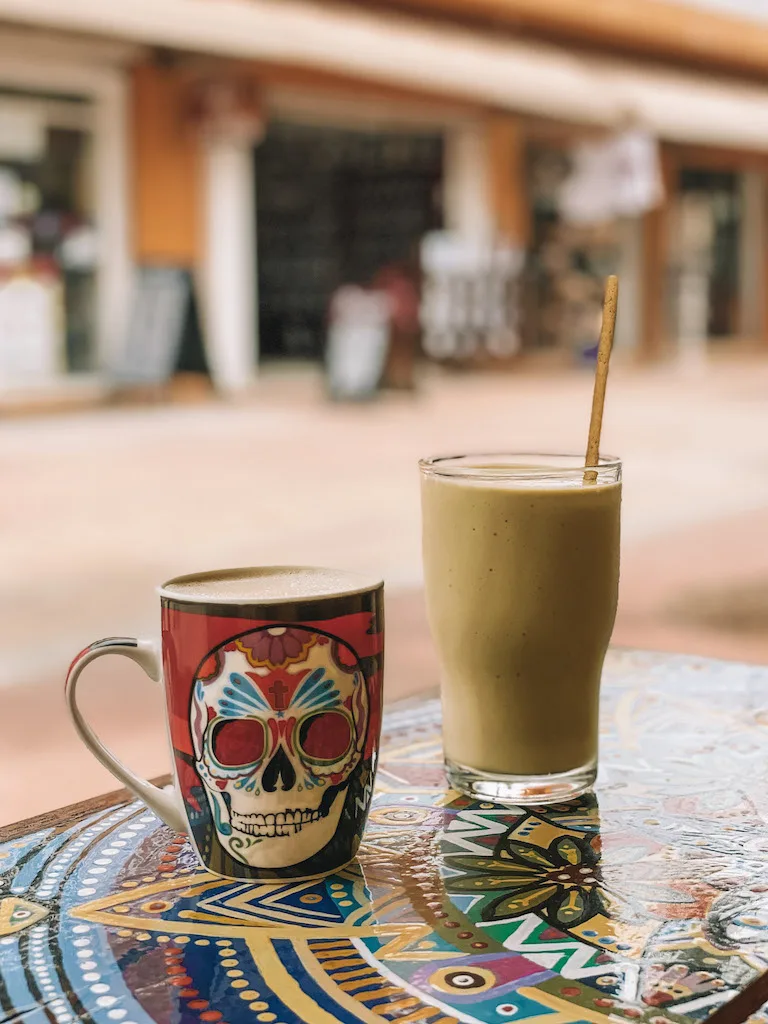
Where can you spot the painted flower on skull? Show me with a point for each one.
(277, 646)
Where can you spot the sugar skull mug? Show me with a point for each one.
(273, 690)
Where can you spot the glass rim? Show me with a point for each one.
(461, 466)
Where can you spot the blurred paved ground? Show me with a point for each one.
(101, 506)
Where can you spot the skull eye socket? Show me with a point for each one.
(324, 737)
(238, 742)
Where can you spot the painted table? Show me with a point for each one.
(647, 902)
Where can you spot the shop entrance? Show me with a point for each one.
(567, 263)
(706, 248)
(334, 206)
(47, 242)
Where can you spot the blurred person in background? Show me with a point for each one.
(400, 281)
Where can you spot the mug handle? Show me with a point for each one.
(144, 653)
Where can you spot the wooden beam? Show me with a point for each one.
(655, 339)
(331, 83)
(650, 27)
(508, 192)
(718, 158)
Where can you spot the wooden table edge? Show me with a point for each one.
(72, 813)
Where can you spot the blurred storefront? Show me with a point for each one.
(64, 255)
(279, 151)
(335, 206)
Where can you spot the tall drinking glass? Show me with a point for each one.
(521, 563)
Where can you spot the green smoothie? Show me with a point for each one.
(522, 583)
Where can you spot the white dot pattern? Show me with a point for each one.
(67, 855)
(44, 975)
(100, 994)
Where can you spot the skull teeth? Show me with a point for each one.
(284, 823)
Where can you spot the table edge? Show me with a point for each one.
(70, 814)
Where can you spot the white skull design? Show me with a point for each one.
(278, 718)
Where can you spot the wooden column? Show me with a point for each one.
(507, 187)
(655, 328)
(166, 179)
(751, 320)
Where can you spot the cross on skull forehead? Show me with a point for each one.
(278, 720)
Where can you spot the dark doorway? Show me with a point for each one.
(721, 192)
(334, 206)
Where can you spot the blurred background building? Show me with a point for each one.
(287, 163)
(278, 149)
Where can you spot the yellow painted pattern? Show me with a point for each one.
(362, 972)
(356, 983)
(426, 1013)
(17, 914)
(541, 833)
(115, 911)
(635, 936)
(308, 955)
(567, 1012)
(283, 985)
(341, 961)
(380, 993)
(396, 1006)
(396, 948)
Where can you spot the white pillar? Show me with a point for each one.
(229, 270)
(694, 236)
(629, 321)
(467, 197)
(112, 206)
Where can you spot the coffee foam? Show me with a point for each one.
(266, 584)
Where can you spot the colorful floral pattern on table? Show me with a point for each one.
(647, 902)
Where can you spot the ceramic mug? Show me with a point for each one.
(273, 684)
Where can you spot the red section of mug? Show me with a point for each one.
(274, 726)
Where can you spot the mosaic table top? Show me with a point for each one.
(647, 902)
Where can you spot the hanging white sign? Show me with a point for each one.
(22, 131)
(615, 177)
